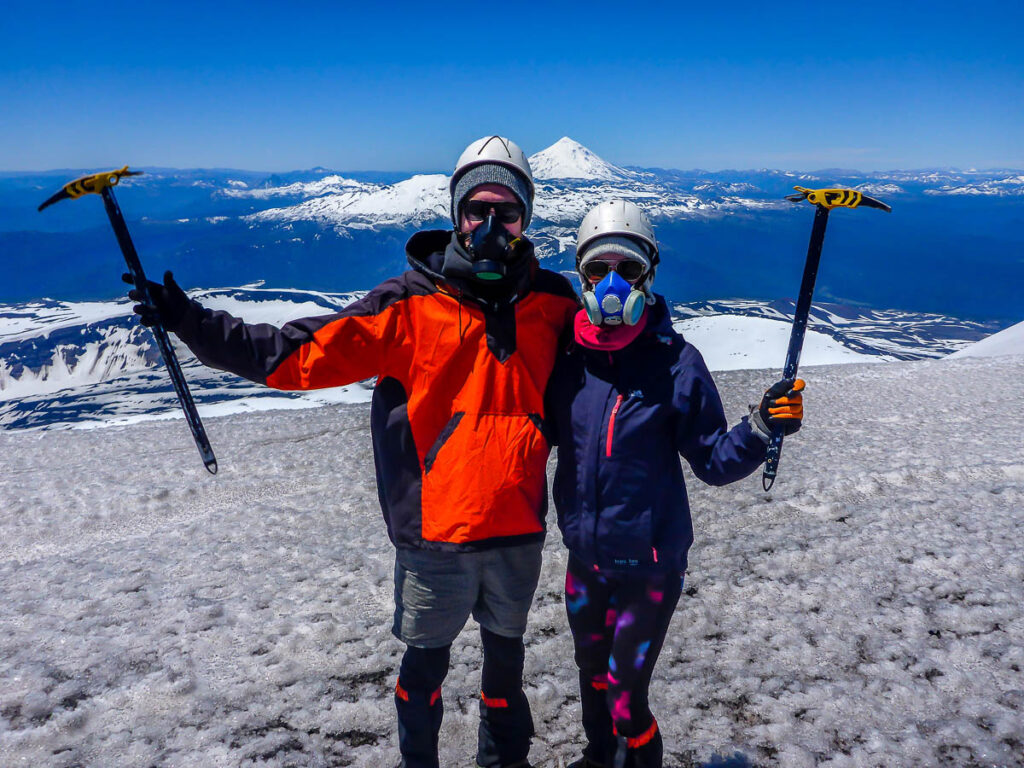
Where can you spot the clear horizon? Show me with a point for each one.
(257, 86)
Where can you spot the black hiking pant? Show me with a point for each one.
(618, 625)
(506, 726)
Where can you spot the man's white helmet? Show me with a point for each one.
(616, 218)
(494, 151)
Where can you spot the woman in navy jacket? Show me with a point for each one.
(626, 400)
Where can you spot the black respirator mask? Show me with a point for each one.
(491, 248)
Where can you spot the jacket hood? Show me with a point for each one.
(425, 251)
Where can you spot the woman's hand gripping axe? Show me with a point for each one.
(824, 200)
(102, 184)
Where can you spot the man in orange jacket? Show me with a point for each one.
(462, 346)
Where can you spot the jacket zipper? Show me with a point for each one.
(611, 425)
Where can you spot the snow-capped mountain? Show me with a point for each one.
(410, 203)
(998, 187)
(570, 179)
(85, 364)
(568, 159)
(333, 184)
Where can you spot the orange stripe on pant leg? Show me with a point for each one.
(497, 703)
(635, 742)
(403, 694)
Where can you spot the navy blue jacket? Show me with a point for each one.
(621, 420)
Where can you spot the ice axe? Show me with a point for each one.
(102, 184)
(824, 200)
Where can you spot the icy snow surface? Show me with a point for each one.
(866, 612)
(764, 343)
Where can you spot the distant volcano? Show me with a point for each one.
(568, 159)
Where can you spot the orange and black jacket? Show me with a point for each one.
(458, 407)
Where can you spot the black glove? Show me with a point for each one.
(782, 407)
(168, 302)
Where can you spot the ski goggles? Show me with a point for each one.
(506, 213)
(629, 269)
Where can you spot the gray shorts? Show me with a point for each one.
(435, 592)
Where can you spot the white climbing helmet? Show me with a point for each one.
(494, 151)
(616, 218)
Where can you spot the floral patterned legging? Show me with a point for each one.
(618, 624)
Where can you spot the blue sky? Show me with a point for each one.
(404, 86)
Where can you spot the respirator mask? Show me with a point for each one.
(491, 248)
(613, 301)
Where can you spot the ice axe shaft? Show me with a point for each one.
(824, 200)
(102, 184)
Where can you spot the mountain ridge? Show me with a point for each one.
(342, 231)
(73, 364)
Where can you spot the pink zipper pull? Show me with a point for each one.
(611, 425)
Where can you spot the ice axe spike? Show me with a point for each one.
(102, 184)
(824, 200)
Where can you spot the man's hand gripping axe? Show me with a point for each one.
(102, 184)
(824, 200)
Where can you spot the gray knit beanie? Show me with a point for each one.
(491, 173)
(615, 245)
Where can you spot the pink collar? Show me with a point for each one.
(606, 337)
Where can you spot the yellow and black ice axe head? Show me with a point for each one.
(836, 198)
(95, 183)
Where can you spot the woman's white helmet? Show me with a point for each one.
(616, 218)
(497, 160)
(617, 227)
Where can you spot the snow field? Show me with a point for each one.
(866, 612)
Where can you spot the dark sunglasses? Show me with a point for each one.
(506, 213)
(628, 270)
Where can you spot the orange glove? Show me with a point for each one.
(782, 407)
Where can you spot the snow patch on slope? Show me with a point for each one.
(734, 342)
(1009, 341)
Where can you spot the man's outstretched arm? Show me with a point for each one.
(311, 353)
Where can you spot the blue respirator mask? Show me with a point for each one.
(613, 301)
